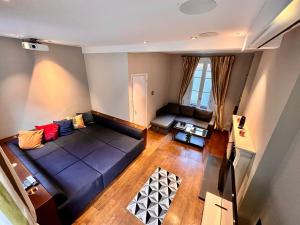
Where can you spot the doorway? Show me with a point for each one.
(139, 98)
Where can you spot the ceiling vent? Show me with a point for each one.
(196, 7)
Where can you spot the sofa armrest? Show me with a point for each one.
(211, 125)
(160, 111)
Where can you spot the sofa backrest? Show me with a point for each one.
(203, 115)
(185, 110)
(117, 126)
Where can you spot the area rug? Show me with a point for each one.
(152, 202)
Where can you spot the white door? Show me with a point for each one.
(139, 99)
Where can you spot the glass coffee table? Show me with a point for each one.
(189, 133)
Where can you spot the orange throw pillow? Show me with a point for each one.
(30, 139)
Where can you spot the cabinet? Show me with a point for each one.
(245, 153)
(217, 211)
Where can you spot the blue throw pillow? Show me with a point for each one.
(65, 127)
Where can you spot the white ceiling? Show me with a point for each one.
(115, 25)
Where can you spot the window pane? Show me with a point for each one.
(196, 84)
(194, 97)
(207, 85)
(208, 67)
(198, 73)
(205, 99)
(200, 66)
(208, 74)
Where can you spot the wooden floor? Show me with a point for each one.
(187, 162)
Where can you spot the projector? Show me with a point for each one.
(34, 45)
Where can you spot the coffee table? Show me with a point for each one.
(189, 133)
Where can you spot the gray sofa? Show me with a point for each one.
(172, 112)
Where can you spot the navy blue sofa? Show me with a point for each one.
(77, 167)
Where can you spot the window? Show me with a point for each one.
(199, 91)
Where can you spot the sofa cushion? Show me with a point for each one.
(186, 110)
(56, 161)
(81, 183)
(83, 146)
(163, 121)
(172, 108)
(65, 127)
(102, 133)
(183, 119)
(107, 160)
(45, 150)
(203, 114)
(125, 143)
(76, 135)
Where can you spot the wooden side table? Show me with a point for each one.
(42, 201)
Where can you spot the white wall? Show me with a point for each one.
(283, 197)
(108, 83)
(157, 66)
(271, 129)
(38, 87)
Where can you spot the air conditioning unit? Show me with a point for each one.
(33, 44)
(275, 19)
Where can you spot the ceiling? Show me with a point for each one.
(123, 25)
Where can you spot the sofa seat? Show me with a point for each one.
(81, 183)
(101, 133)
(164, 121)
(107, 160)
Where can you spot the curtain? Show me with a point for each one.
(15, 205)
(221, 67)
(190, 64)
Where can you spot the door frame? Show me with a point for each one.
(131, 96)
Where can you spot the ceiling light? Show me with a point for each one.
(194, 38)
(145, 42)
(195, 7)
(208, 34)
(6, 0)
(240, 34)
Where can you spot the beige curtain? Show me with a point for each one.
(221, 67)
(190, 64)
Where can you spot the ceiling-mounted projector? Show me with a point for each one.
(33, 44)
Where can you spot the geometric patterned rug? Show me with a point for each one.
(152, 202)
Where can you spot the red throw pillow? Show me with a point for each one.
(50, 131)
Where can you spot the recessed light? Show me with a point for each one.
(208, 34)
(240, 34)
(194, 38)
(195, 7)
(145, 42)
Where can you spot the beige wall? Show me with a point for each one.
(270, 119)
(108, 83)
(38, 87)
(157, 66)
(236, 84)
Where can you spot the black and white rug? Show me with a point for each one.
(152, 202)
